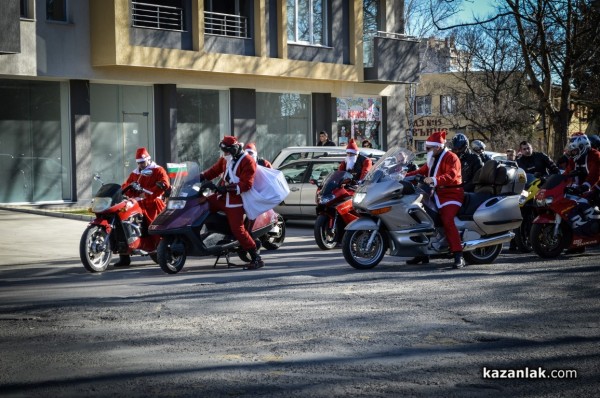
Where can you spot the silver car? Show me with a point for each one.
(292, 153)
(302, 177)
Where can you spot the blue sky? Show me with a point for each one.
(479, 8)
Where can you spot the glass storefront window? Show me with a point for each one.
(202, 120)
(282, 120)
(360, 119)
(34, 142)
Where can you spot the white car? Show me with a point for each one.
(292, 153)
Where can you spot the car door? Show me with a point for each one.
(317, 173)
(294, 174)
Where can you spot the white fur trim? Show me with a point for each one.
(351, 151)
(431, 143)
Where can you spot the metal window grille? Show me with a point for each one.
(156, 16)
(225, 24)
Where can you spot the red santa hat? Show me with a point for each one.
(352, 147)
(142, 155)
(250, 147)
(229, 140)
(436, 139)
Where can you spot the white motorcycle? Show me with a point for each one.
(398, 216)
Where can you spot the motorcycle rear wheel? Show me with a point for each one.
(169, 261)
(274, 242)
(545, 244)
(484, 255)
(354, 249)
(326, 238)
(94, 255)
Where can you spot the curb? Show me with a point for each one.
(49, 213)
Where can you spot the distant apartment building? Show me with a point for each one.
(84, 83)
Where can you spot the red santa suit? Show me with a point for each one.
(151, 203)
(356, 164)
(445, 171)
(590, 164)
(238, 177)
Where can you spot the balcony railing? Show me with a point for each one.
(225, 24)
(155, 16)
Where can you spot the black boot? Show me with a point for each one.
(418, 260)
(256, 262)
(459, 261)
(124, 261)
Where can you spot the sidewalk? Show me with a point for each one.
(30, 237)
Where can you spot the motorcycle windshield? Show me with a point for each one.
(554, 180)
(334, 180)
(392, 165)
(186, 179)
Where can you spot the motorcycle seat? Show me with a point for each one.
(491, 178)
(472, 200)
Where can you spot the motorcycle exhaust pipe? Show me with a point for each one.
(496, 240)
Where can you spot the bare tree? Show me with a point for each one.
(550, 38)
(495, 100)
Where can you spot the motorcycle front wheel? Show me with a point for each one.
(522, 234)
(325, 237)
(94, 249)
(545, 244)
(273, 242)
(354, 248)
(484, 255)
(171, 255)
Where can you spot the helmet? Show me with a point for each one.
(478, 146)
(594, 141)
(460, 142)
(230, 145)
(578, 145)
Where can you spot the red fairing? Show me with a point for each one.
(264, 219)
(128, 209)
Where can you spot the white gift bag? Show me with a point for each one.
(269, 189)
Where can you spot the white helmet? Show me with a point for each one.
(578, 146)
(478, 146)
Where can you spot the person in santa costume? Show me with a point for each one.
(237, 169)
(149, 188)
(443, 172)
(250, 149)
(356, 164)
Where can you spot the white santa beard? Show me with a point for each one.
(350, 162)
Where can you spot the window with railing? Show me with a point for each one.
(216, 23)
(167, 15)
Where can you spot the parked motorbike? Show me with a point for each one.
(119, 227)
(528, 212)
(188, 228)
(334, 209)
(566, 220)
(396, 215)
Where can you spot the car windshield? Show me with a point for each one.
(334, 180)
(393, 165)
(186, 179)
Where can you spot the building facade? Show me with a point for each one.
(84, 83)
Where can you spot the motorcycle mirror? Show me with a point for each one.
(97, 178)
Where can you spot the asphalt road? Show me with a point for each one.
(305, 325)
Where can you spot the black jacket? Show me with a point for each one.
(327, 143)
(538, 162)
(470, 162)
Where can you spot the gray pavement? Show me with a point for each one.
(29, 236)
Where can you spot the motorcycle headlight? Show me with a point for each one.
(326, 198)
(358, 197)
(175, 204)
(101, 204)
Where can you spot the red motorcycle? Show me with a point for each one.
(119, 227)
(334, 209)
(566, 219)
